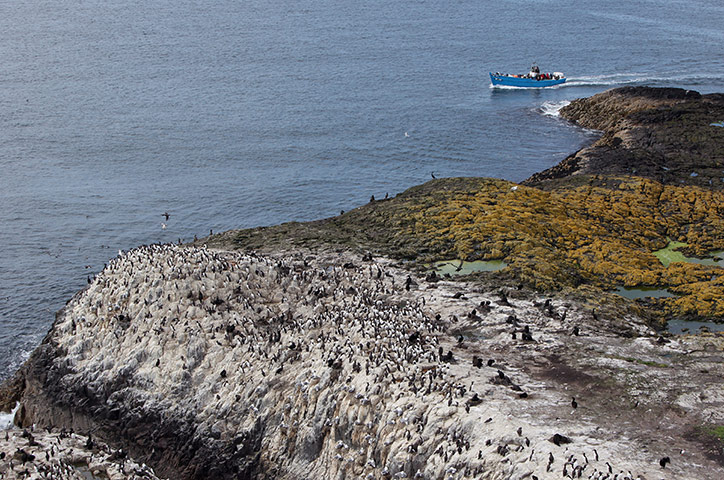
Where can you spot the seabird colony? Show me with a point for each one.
(347, 367)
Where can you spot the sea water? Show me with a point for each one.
(233, 114)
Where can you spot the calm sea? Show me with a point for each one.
(230, 114)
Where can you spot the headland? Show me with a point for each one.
(329, 349)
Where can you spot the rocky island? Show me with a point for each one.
(333, 349)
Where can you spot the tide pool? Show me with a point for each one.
(461, 267)
(678, 326)
(643, 292)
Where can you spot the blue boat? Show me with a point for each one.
(533, 79)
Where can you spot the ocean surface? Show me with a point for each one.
(231, 114)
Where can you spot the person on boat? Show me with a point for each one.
(534, 72)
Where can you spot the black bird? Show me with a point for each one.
(491, 362)
(475, 400)
(526, 335)
(664, 461)
(503, 298)
(574, 403)
(432, 174)
(558, 439)
(165, 215)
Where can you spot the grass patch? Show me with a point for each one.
(638, 361)
(716, 431)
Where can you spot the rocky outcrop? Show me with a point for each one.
(64, 455)
(663, 134)
(213, 364)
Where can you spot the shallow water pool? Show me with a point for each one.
(643, 292)
(461, 267)
(680, 327)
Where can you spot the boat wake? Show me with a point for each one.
(652, 79)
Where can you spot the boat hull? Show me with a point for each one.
(508, 81)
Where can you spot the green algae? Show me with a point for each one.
(670, 254)
(461, 267)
